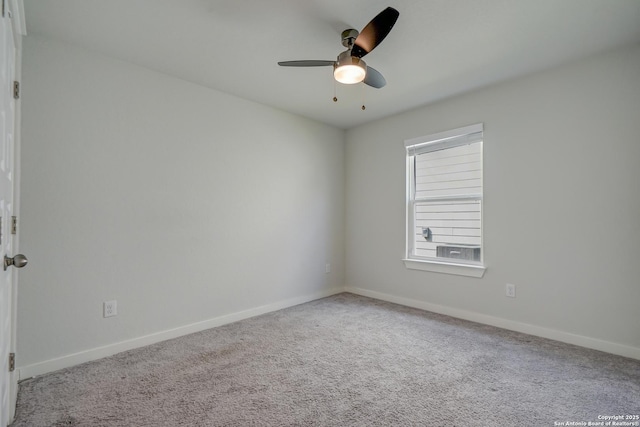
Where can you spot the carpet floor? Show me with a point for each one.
(345, 360)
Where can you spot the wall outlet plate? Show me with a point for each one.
(110, 308)
(510, 290)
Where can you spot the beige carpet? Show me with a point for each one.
(340, 361)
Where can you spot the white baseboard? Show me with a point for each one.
(51, 365)
(579, 340)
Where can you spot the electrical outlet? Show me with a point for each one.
(327, 268)
(110, 308)
(511, 290)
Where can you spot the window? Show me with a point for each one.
(444, 202)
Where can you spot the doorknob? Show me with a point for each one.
(17, 261)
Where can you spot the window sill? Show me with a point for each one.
(446, 267)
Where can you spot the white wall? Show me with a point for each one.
(182, 203)
(187, 204)
(561, 203)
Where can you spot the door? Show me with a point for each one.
(7, 133)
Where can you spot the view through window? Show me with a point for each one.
(444, 185)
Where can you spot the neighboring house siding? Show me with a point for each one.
(454, 222)
(451, 172)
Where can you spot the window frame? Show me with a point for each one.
(442, 140)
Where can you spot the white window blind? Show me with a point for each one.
(444, 209)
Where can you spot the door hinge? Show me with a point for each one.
(3, 6)
(14, 225)
(16, 90)
(12, 362)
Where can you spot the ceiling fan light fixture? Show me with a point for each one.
(348, 69)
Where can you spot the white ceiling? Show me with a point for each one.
(437, 48)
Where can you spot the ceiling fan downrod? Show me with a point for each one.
(349, 37)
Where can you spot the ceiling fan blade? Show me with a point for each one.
(374, 78)
(306, 63)
(375, 31)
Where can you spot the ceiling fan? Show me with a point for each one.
(349, 68)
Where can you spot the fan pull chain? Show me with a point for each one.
(335, 98)
(362, 89)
